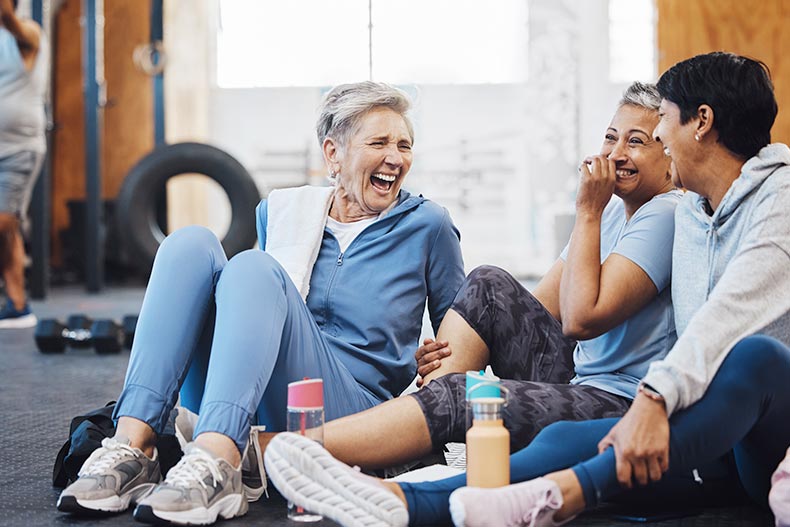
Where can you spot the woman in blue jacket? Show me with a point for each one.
(338, 293)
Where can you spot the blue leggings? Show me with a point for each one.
(230, 335)
(746, 410)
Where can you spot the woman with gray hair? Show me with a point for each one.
(608, 291)
(337, 293)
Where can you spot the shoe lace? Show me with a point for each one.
(101, 459)
(191, 468)
(535, 511)
(256, 446)
(542, 502)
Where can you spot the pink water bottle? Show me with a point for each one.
(306, 417)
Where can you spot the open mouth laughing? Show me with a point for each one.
(625, 174)
(382, 182)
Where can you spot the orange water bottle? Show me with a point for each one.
(487, 441)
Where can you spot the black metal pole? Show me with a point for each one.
(93, 78)
(157, 35)
(40, 204)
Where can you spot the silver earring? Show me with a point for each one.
(696, 136)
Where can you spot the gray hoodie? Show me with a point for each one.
(730, 275)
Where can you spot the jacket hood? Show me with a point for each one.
(753, 174)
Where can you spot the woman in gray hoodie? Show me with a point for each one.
(721, 390)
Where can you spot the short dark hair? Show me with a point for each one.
(739, 90)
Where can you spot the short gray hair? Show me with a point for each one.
(643, 95)
(344, 106)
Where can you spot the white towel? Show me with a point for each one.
(295, 224)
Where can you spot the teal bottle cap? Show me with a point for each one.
(479, 385)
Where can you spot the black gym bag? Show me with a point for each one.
(85, 435)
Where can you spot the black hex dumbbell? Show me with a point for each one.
(107, 336)
(80, 331)
(52, 336)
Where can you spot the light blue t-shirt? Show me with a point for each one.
(618, 359)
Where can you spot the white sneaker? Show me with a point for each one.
(307, 475)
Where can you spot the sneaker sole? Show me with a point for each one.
(326, 486)
(228, 507)
(104, 506)
(27, 321)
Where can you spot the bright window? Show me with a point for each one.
(632, 40)
(293, 43)
(319, 42)
(450, 41)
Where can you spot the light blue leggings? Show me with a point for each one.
(230, 335)
(745, 410)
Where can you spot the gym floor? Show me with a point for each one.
(39, 394)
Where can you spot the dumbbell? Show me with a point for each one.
(52, 336)
(105, 335)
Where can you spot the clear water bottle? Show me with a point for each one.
(306, 417)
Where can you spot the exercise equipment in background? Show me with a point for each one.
(80, 331)
(136, 206)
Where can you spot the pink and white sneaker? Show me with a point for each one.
(779, 497)
(529, 504)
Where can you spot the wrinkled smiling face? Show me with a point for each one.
(677, 138)
(640, 164)
(374, 163)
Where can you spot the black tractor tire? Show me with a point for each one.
(141, 189)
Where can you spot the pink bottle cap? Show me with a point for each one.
(306, 394)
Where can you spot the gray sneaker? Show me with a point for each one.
(196, 491)
(113, 476)
(253, 474)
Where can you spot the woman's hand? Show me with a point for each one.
(596, 185)
(641, 442)
(429, 357)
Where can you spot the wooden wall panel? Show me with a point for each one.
(128, 116)
(68, 145)
(756, 28)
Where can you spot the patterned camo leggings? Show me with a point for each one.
(528, 351)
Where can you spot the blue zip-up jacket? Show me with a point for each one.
(369, 301)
